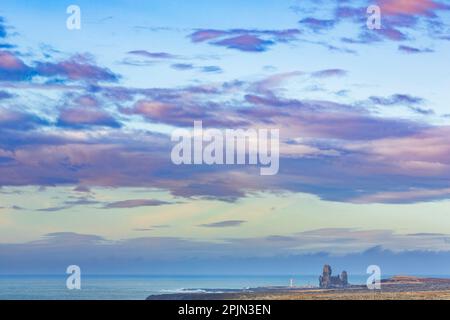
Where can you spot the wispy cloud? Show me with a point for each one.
(413, 103)
(81, 117)
(317, 25)
(412, 50)
(246, 40)
(153, 55)
(224, 224)
(134, 203)
(76, 68)
(329, 73)
(13, 68)
(182, 66)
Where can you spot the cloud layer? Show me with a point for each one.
(336, 151)
(92, 130)
(303, 253)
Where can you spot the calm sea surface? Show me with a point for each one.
(132, 287)
(107, 287)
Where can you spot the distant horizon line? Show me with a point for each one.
(207, 275)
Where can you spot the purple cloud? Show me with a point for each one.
(81, 117)
(135, 203)
(245, 40)
(396, 99)
(249, 43)
(154, 55)
(76, 68)
(121, 160)
(412, 50)
(224, 224)
(13, 68)
(211, 69)
(175, 112)
(357, 14)
(329, 73)
(411, 102)
(427, 8)
(5, 95)
(189, 66)
(182, 66)
(17, 120)
(345, 152)
(317, 24)
(205, 35)
(399, 19)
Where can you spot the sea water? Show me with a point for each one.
(138, 287)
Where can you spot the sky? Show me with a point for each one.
(86, 118)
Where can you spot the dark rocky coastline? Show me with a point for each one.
(399, 287)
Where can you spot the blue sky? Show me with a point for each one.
(86, 117)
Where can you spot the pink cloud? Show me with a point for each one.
(425, 154)
(408, 196)
(76, 68)
(410, 7)
(393, 34)
(205, 35)
(9, 61)
(12, 68)
(245, 42)
(75, 117)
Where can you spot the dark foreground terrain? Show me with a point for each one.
(396, 288)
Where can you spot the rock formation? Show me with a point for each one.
(344, 278)
(326, 280)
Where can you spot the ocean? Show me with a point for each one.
(138, 287)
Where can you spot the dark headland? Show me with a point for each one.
(330, 288)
